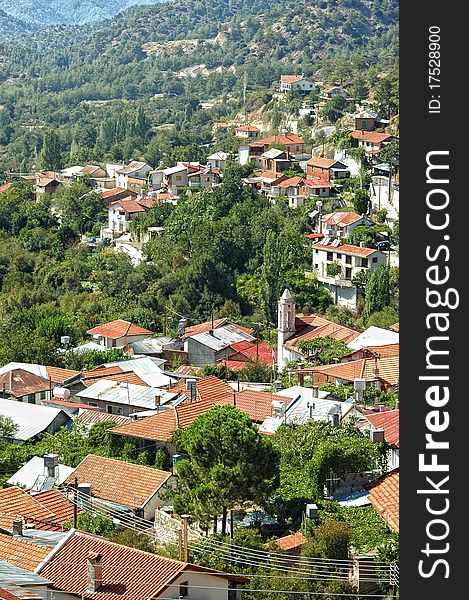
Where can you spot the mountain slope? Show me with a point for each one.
(10, 26)
(67, 12)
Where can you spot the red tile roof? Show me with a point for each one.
(384, 496)
(118, 329)
(389, 421)
(59, 375)
(291, 541)
(318, 161)
(388, 369)
(248, 128)
(291, 78)
(48, 511)
(58, 504)
(312, 326)
(5, 187)
(21, 553)
(341, 218)
(284, 140)
(247, 350)
(346, 249)
(395, 327)
(118, 481)
(128, 573)
(129, 205)
(257, 404)
(370, 136)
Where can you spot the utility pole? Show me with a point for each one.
(186, 547)
(164, 319)
(180, 543)
(75, 503)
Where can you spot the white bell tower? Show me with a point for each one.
(286, 325)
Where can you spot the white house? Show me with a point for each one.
(247, 132)
(117, 334)
(296, 83)
(135, 170)
(341, 224)
(350, 261)
(120, 214)
(371, 141)
(217, 160)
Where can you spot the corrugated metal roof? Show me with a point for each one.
(19, 576)
(222, 337)
(125, 393)
(32, 419)
(28, 473)
(146, 367)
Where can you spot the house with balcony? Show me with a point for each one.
(217, 160)
(291, 143)
(336, 265)
(276, 160)
(326, 168)
(371, 141)
(122, 212)
(341, 224)
(299, 189)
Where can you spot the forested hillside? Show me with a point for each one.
(88, 84)
(71, 12)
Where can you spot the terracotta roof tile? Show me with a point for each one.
(118, 481)
(384, 496)
(389, 421)
(5, 187)
(117, 329)
(284, 140)
(128, 573)
(291, 78)
(21, 553)
(257, 404)
(370, 136)
(341, 218)
(319, 327)
(59, 375)
(346, 249)
(58, 504)
(318, 161)
(388, 369)
(248, 128)
(114, 373)
(291, 541)
(395, 327)
(48, 511)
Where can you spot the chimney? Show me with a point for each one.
(95, 572)
(362, 244)
(157, 401)
(18, 527)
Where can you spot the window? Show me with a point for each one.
(330, 256)
(364, 262)
(375, 259)
(93, 404)
(184, 588)
(32, 398)
(43, 395)
(338, 256)
(348, 260)
(363, 124)
(178, 178)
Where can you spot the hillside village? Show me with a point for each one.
(199, 354)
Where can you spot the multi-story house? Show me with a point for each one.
(350, 261)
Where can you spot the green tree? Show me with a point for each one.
(377, 292)
(51, 153)
(361, 202)
(229, 463)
